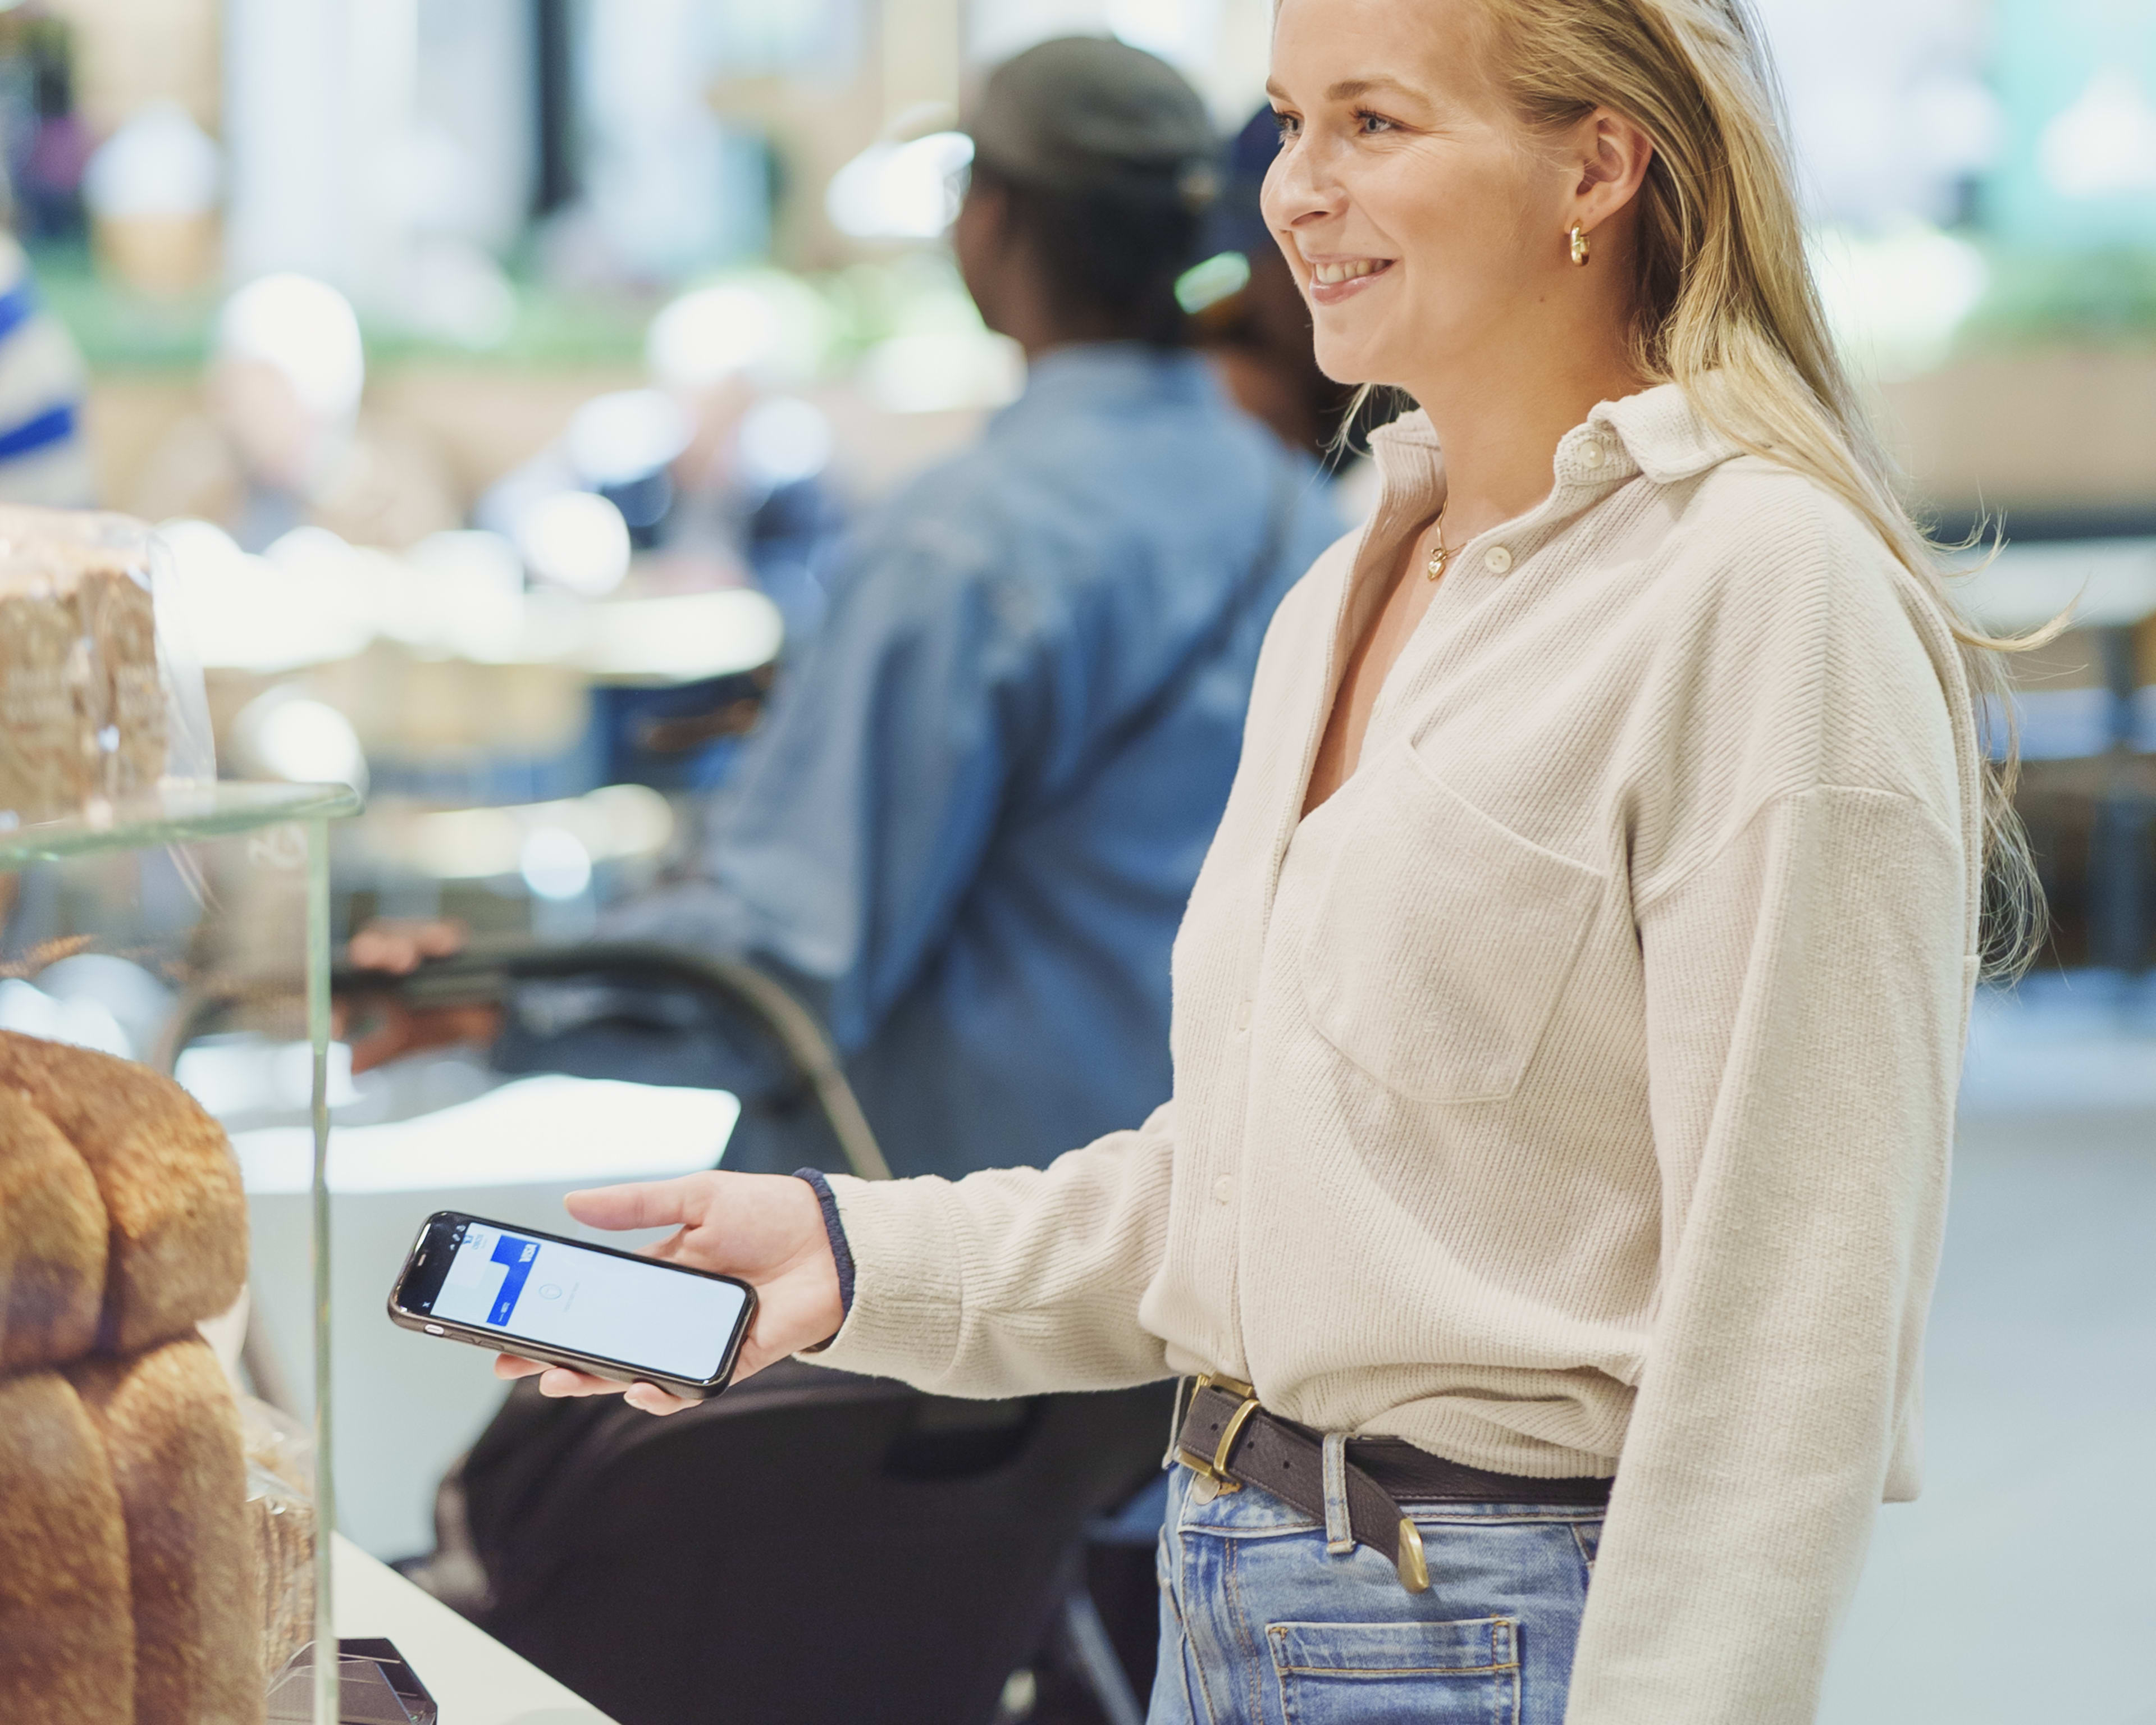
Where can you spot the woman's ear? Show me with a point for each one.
(1613, 153)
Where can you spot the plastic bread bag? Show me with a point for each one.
(99, 699)
(280, 1514)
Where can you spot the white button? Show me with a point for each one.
(1243, 1018)
(433, 1329)
(1592, 453)
(1224, 1190)
(1497, 559)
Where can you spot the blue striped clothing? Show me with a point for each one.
(44, 457)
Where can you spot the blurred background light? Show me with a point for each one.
(29, 1011)
(708, 335)
(283, 734)
(940, 371)
(614, 439)
(893, 191)
(243, 614)
(1223, 274)
(1896, 301)
(160, 163)
(613, 823)
(555, 863)
(2104, 145)
(682, 638)
(576, 541)
(783, 441)
(307, 330)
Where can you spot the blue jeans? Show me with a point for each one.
(1262, 1624)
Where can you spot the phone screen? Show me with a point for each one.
(642, 1314)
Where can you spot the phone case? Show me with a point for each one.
(613, 1371)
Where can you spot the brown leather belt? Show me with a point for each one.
(1229, 1442)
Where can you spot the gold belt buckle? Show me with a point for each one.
(1212, 1478)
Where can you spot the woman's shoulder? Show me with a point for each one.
(1768, 560)
(1803, 647)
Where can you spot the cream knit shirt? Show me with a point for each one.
(1571, 1092)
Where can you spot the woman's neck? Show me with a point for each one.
(1499, 431)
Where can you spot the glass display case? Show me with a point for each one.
(161, 1535)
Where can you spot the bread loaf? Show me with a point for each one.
(52, 1242)
(178, 1249)
(281, 1520)
(280, 1512)
(67, 1639)
(82, 706)
(172, 1430)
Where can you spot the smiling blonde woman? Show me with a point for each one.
(1568, 1016)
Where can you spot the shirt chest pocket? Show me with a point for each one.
(1442, 940)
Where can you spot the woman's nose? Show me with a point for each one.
(1296, 187)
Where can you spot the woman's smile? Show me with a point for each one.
(1334, 280)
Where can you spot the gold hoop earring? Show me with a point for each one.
(1579, 247)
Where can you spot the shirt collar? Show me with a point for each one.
(1659, 429)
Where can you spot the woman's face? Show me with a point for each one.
(1422, 220)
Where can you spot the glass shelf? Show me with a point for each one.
(183, 812)
(172, 814)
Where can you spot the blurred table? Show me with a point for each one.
(473, 1677)
(2109, 587)
(2107, 584)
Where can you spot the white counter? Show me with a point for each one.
(474, 1678)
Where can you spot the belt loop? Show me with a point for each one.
(1339, 1530)
(1175, 1423)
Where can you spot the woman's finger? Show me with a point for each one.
(647, 1204)
(562, 1381)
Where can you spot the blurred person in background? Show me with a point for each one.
(719, 477)
(1258, 337)
(968, 829)
(44, 457)
(282, 442)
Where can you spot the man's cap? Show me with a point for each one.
(1087, 114)
(1236, 222)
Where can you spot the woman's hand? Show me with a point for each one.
(765, 1229)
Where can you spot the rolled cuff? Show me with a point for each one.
(902, 1319)
(834, 1231)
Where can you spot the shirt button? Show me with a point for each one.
(1497, 559)
(1224, 1190)
(1592, 453)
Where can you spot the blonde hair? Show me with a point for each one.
(1728, 309)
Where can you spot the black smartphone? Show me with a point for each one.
(614, 1314)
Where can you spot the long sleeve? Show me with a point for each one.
(1012, 1281)
(1806, 995)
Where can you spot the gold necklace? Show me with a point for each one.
(1435, 566)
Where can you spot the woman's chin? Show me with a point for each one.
(1350, 362)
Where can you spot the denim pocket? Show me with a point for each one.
(1399, 1673)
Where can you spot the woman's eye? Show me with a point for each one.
(1286, 125)
(1371, 123)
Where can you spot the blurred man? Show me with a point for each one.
(283, 442)
(968, 829)
(716, 468)
(1259, 336)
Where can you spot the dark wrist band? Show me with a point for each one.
(834, 1231)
